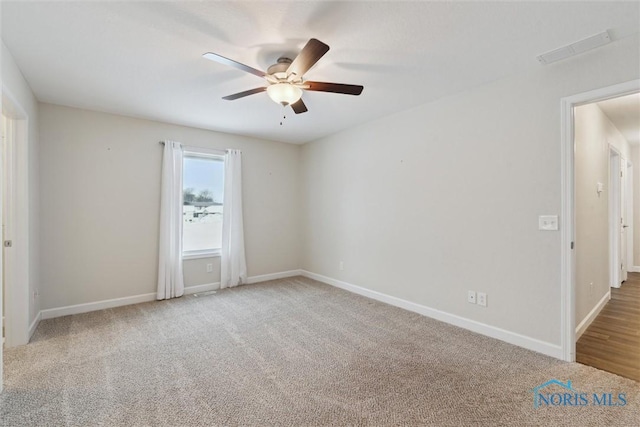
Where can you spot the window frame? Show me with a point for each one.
(205, 153)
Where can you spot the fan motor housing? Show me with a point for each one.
(279, 70)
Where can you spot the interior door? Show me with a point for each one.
(3, 130)
(624, 225)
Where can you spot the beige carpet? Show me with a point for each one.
(287, 352)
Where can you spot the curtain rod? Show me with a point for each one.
(212, 150)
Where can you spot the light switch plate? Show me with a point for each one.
(548, 222)
(471, 297)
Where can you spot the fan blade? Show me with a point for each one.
(299, 107)
(334, 87)
(245, 93)
(226, 61)
(308, 56)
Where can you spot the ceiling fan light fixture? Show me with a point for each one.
(285, 81)
(284, 93)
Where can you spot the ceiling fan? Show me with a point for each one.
(285, 78)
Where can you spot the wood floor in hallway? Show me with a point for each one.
(612, 341)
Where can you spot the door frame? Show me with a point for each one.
(17, 294)
(567, 217)
(626, 230)
(615, 214)
(630, 214)
(1, 265)
(16, 289)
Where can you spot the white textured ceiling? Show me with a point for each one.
(143, 59)
(624, 113)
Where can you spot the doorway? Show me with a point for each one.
(16, 304)
(598, 256)
(619, 218)
(632, 212)
(3, 130)
(9, 130)
(568, 211)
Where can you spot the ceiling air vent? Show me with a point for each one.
(575, 48)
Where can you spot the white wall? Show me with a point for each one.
(101, 197)
(14, 86)
(431, 202)
(593, 134)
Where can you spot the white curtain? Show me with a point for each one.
(170, 280)
(233, 264)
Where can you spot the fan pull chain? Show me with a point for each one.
(284, 115)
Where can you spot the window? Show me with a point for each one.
(202, 210)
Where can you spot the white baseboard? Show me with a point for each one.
(136, 299)
(634, 269)
(50, 313)
(592, 315)
(34, 325)
(529, 343)
(188, 290)
(273, 276)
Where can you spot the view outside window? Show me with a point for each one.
(203, 179)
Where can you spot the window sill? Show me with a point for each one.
(201, 254)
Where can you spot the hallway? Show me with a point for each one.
(612, 341)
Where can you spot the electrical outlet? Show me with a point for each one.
(209, 268)
(341, 266)
(471, 297)
(548, 222)
(482, 299)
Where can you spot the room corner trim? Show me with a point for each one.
(582, 326)
(634, 269)
(529, 343)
